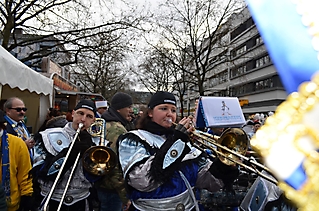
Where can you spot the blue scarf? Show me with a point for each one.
(19, 128)
(22, 133)
(5, 164)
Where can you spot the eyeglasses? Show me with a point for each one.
(20, 109)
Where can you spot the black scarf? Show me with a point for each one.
(111, 115)
(158, 129)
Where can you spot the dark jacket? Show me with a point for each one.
(10, 130)
(115, 126)
(3, 202)
(111, 115)
(58, 121)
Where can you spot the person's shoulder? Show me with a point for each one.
(116, 126)
(106, 115)
(15, 140)
(114, 130)
(9, 128)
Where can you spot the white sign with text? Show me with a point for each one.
(219, 112)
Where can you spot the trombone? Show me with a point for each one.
(46, 200)
(229, 148)
(98, 160)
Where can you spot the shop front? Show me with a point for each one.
(66, 94)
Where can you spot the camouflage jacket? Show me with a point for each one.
(114, 180)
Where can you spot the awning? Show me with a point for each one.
(67, 92)
(17, 75)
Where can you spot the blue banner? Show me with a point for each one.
(287, 40)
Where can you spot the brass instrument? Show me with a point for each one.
(230, 148)
(233, 140)
(46, 200)
(99, 160)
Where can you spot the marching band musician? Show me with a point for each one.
(160, 166)
(50, 152)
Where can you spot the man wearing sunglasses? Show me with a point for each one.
(15, 111)
(15, 164)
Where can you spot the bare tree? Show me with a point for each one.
(68, 23)
(158, 71)
(155, 71)
(193, 30)
(102, 68)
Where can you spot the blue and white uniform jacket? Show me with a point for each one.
(161, 174)
(54, 141)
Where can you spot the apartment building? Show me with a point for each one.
(33, 52)
(242, 68)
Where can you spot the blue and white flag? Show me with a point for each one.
(288, 32)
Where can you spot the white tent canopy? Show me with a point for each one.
(17, 75)
(18, 80)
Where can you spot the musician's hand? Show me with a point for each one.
(192, 123)
(187, 123)
(126, 206)
(83, 142)
(224, 172)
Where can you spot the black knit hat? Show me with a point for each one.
(162, 97)
(121, 100)
(88, 104)
(2, 119)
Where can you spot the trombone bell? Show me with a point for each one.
(99, 160)
(236, 140)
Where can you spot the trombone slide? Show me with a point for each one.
(57, 179)
(229, 148)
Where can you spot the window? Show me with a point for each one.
(249, 66)
(205, 84)
(258, 40)
(218, 57)
(238, 51)
(268, 83)
(262, 61)
(241, 50)
(239, 70)
(248, 23)
(246, 46)
(218, 78)
(222, 77)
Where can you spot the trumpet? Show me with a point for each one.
(99, 160)
(230, 149)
